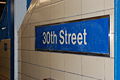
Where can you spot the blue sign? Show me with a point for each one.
(87, 36)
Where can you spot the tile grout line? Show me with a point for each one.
(58, 70)
(70, 16)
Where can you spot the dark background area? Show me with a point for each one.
(2, 7)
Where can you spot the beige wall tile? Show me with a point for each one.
(26, 19)
(28, 31)
(93, 66)
(57, 75)
(57, 10)
(109, 69)
(28, 43)
(69, 76)
(32, 57)
(25, 56)
(19, 67)
(89, 6)
(23, 77)
(19, 76)
(57, 61)
(73, 63)
(42, 23)
(109, 4)
(43, 59)
(57, 21)
(19, 42)
(87, 78)
(43, 73)
(43, 13)
(33, 70)
(95, 14)
(72, 18)
(73, 7)
(54, 1)
(25, 68)
(34, 17)
(19, 55)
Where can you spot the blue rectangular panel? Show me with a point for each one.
(87, 36)
(117, 39)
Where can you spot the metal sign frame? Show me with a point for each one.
(85, 53)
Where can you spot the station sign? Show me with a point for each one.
(81, 36)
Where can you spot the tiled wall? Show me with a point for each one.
(37, 65)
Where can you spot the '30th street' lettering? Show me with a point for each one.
(64, 37)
